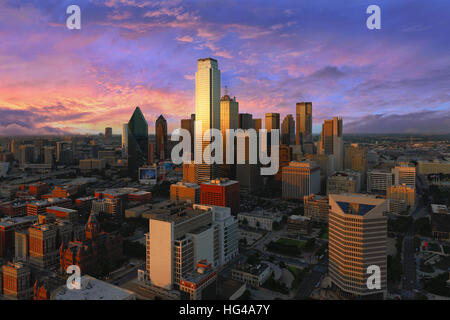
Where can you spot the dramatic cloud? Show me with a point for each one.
(271, 55)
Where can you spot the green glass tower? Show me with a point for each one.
(137, 142)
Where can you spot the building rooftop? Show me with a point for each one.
(221, 182)
(248, 268)
(93, 289)
(7, 222)
(439, 208)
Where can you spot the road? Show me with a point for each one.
(308, 285)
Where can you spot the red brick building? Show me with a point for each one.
(7, 228)
(221, 192)
(17, 281)
(89, 253)
(38, 189)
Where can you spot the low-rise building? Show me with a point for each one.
(262, 220)
(299, 224)
(254, 276)
(316, 207)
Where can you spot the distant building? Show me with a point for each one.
(161, 138)
(300, 179)
(288, 130)
(92, 164)
(272, 121)
(137, 142)
(299, 224)
(440, 222)
(357, 240)
(433, 167)
(8, 226)
(303, 131)
(331, 141)
(108, 133)
(259, 220)
(405, 175)
(356, 159)
(221, 192)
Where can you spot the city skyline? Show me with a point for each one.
(139, 53)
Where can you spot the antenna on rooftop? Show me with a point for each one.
(226, 90)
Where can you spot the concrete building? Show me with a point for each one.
(300, 179)
(316, 208)
(254, 276)
(379, 180)
(344, 182)
(303, 132)
(93, 289)
(402, 199)
(357, 240)
(184, 235)
(288, 130)
(298, 224)
(433, 167)
(259, 219)
(404, 175)
(331, 141)
(200, 284)
(184, 191)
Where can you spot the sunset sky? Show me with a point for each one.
(272, 54)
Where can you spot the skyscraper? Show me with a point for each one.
(257, 124)
(331, 141)
(188, 124)
(108, 133)
(161, 138)
(207, 112)
(124, 140)
(288, 130)
(137, 142)
(357, 240)
(303, 132)
(272, 121)
(229, 119)
(245, 121)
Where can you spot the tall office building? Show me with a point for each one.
(257, 124)
(246, 121)
(288, 130)
(221, 192)
(357, 240)
(332, 142)
(137, 142)
(300, 179)
(303, 132)
(207, 111)
(161, 138)
(272, 121)
(188, 124)
(108, 133)
(404, 175)
(124, 140)
(229, 119)
(355, 158)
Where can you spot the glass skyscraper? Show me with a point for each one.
(137, 142)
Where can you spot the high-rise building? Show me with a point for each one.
(357, 240)
(108, 133)
(300, 179)
(379, 180)
(207, 114)
(177, 241)
(404, 175)
(246, 121)
(272, 121)
(124, 140)
(303, 132)
(49, 155)
(288, 130)
(137, 142)
(229, 119)
(221, 192)
(331, 141)
(356, 158)
(188, 124)
(257, 124)
(161, 138)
